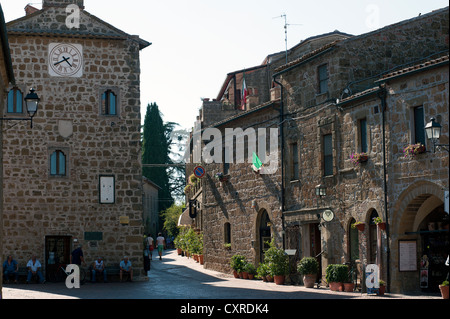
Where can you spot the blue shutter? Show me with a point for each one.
(62, 164)
(53, 164)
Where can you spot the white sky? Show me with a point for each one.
(196, 43)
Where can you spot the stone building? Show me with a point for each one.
(151, 207)
(76, 176)
(331, 107)
(244, 213)
(323, 130)
(6, 78)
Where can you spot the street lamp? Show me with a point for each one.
(321, 190)
(32, 103)
(433, 130)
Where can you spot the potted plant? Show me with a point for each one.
(251, 270)
(444, 289)
(380, 223)
(193, 179)
(237, 263)
(359, 225)
(414, 149)
(227, 246)
(382, 288)
(308, 267)
(278, 262)
(358, 158)
(263, 271)
(336, 275)
(187, 189)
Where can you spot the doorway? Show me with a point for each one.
(265, 234)
(57, 251)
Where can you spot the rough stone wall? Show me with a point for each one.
(231, 202)
(355, 191)
(36, 204)
(414, 182)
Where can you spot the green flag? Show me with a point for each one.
(257, 164)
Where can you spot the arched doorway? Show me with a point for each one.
(264, 233)
(417, 207)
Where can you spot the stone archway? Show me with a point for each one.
(263, 231)
(413, 205)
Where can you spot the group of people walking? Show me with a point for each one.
(159, 244)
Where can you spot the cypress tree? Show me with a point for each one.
(155, 150)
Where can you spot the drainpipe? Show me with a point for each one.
(282, 158)
(382, 94)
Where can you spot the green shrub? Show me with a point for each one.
(237, 263)
(277, 261)
(337, 273)
(308, 266)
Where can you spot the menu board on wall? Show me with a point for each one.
(407, 255)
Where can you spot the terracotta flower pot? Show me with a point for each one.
(201, 259)
(382, 225)
(444, 291)
(269, 278)
(309, 281)
(349, 287)
(244, 275)
(361, 227)
(235, 274)
(179, 251)
(279, 280)
(336, 286)
(381, 290)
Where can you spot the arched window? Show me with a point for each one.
(109, 103)
(15, 101)
(58, 163)
(227, 233)
(353, 241)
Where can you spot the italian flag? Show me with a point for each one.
(257, 164)
(244, 94)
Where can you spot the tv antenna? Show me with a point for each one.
(286, 31)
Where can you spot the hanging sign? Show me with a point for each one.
(199, 172)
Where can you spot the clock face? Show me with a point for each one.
(65, 60)
(328, 215)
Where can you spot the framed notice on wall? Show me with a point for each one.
(107, 190)
(407, 250)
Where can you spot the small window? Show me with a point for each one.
(295, 163)
(323, 78)
(15, 101)
(419, 125)
(363, 135)
(227, 233)
(109, 103)
(58, 163)
(328, 154)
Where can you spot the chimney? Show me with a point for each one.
(62, 3)
(30, 10)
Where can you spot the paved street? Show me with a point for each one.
(178, 277)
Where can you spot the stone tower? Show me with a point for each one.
(75, 177)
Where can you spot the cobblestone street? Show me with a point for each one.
(178, 277)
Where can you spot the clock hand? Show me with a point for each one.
(64, 60)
